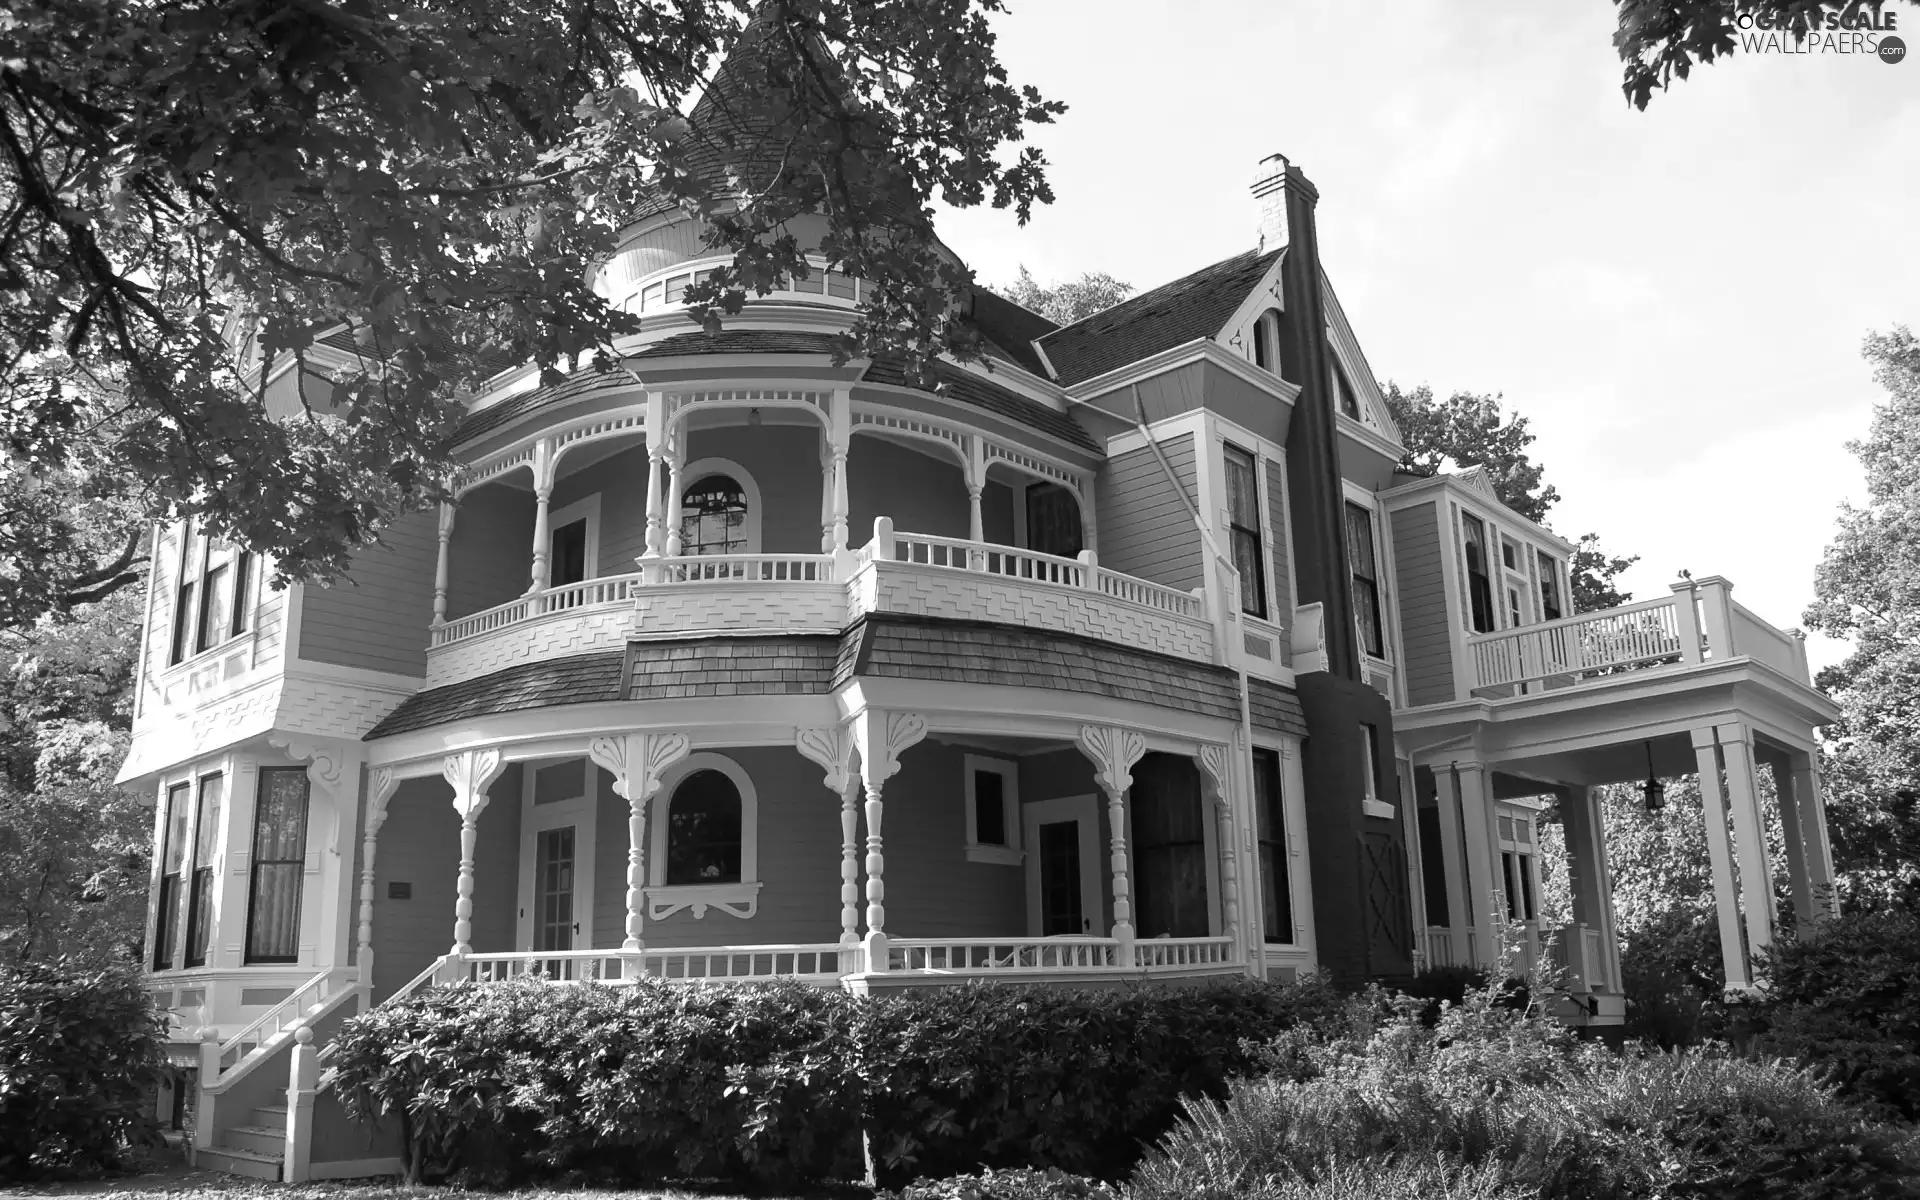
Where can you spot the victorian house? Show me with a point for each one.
(1121, 656)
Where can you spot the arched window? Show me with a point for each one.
(713, 517)
(703, 831)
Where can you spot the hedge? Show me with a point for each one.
(80, 1056)
(774, 1085)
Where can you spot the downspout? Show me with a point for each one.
(1248, 862)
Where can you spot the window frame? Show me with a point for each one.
(202, 877)
(1009, 853)
(585, 509)
(1377, 650)
(1237, 531)
(737, 899)
(255, 861)
(1482, 595)
(697, 472)
(1268, 811)
(202, 559)
(168, 901)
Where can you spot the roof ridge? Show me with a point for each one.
(1141, 298)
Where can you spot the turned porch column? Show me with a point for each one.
(471, 773)
(1114, 751)
(656, 540)
(447, 512)
(676, 495)
(542, 534)
(637, 761)
(880, 738)
(381, 784)
(1726, 896)
(1214, 775)
(839, 443)
(833, 749)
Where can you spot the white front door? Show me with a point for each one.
(1063, 867)
(556, 856)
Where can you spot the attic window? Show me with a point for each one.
(1343, 388)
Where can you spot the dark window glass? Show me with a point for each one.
(182, 622)
(703, 831)
(1343, 388)
(279, 866)
(1276, 889)
(1363, 564)
(242, 580)
(567, 558)
(553, 889)
(1170, 854)
(1512, 889)
(216, 608)
(1243, 523)
(1479, 584)
(1525, 863)
(173, 857)
(713, 517)
(1060, 907)
(1262, 357)
(1549, 589)
(989, 809)
(206, 840)
(192, 558)
(1053, 520)
(1433, 871)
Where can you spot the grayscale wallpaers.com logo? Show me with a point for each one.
(1829, 33)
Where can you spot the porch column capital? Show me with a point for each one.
(1113, 751)
(381, 784)
(1212, 757)
(471, 773)
(638, 760)
(832, 748)
(881, 738)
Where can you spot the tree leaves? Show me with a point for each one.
(1070, 300)
(1661, 40)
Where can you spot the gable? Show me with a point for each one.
(1190, 308)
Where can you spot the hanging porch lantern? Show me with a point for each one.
(1655, 791)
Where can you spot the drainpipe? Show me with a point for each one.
(1250, 861)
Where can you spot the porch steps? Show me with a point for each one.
(254, 1149)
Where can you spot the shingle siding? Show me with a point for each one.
(1424, 636)
(1273, 707)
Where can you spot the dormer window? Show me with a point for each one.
(1266, 341)
(1343, 389)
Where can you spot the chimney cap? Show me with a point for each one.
(1271, 173)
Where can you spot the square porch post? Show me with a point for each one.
(1809, 794)
(1587, 874)
(1726, 897)
(1482, 886)
(1743, 796)
(1793, 841)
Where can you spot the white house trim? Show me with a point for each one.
(741, 899)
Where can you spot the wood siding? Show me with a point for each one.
(490, 559)
(378, 618)
(1422, 592)
(1145, 528)
(922, 492)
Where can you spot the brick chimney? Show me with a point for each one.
(1269, 188)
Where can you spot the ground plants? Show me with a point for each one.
(80, 1052)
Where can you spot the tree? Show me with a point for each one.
(1661, 40)
(1071, 300)
(1867, 590)
(193, 188)
(1472, 430)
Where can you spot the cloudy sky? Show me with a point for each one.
(1676, 298)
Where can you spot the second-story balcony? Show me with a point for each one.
(899, 572)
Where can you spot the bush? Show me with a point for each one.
(1846, 997)
(1083, 1081)
(1490, 1099)
(80, 1054)
(502, 1082)
(1451, 985)
(775, 1084)
(1018, 1184)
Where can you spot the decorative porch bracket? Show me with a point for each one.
(637, 761)
(381, 784)
(1114, 751)
(833, 749)
(470, 773)
(880, 738)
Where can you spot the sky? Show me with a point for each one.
(1675, 298)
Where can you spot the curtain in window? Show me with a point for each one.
(703, 831)
(1169, 848)
(279, 866)
(213, 792)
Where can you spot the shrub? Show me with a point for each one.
(1846, 997)
(1496, 1100)
(80, 1054)
(508, 1081)
(1450, 985)
(1084, 1081)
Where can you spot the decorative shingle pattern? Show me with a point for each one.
(968, 388)
(784, 666)
(1194, 307)
(1274, 707)
(578, 679)
(965, 652)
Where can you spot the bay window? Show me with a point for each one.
(211, 596)
(279, 866)
(173, 857)
(206, 840)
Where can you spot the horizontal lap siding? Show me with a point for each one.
(1423, 604)
(932, 890)
(784, 461)
(922, 491)
(1146, 529)
(490, 559)
(378, 618)
(620, 481)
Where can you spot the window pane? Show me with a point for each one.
(1549, 589)
(1343, 388)
(182, 622)
(989, 809)
(1246, 560)
(176, 850)
(242, 581)
(279, 865)
(1243, 496)
(216, 608)
(1479, 586)
(1275, 888)
(567, 554)
(703, 831)
(713, 517)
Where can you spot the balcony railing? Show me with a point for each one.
(1700, 622)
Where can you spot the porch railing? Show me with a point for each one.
(1011, 562)
(1573, 648)
(1445, 947)
(589, 593)
(741, 568)
(1164, 953)
(241, 1053)
(1003, 956)
(1581, 952)
(694, 964)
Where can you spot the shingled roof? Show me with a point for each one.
(1274, 707)
(1010, 329)
(1170, 315)
(969, 388)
